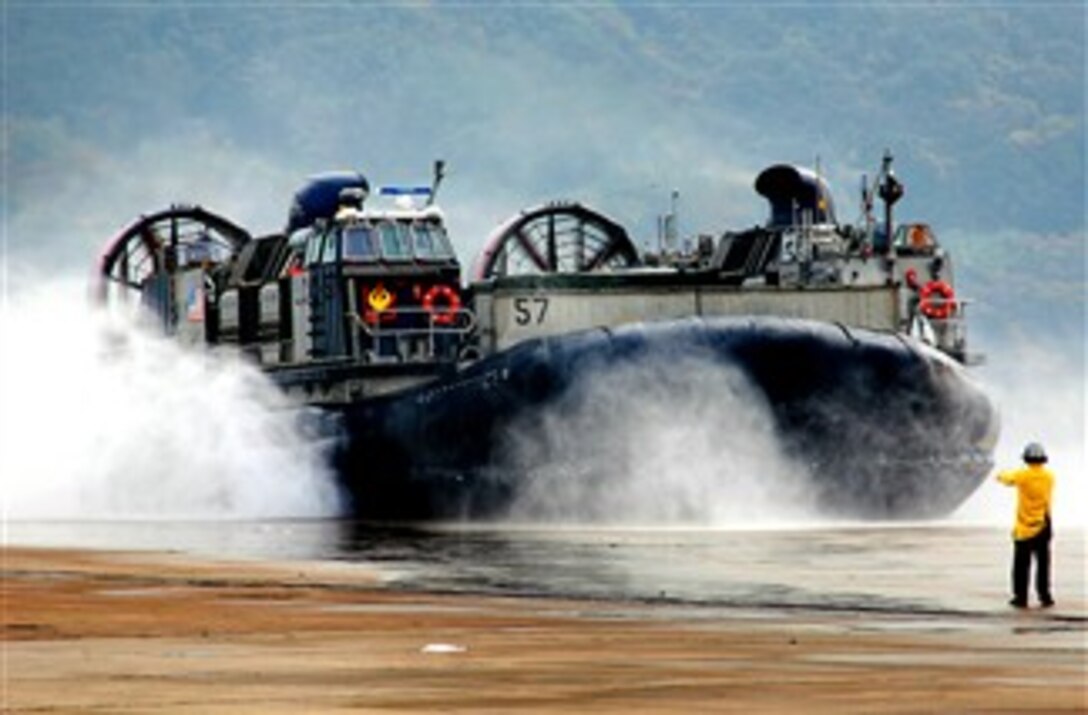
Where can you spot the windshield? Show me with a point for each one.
(358, 243)
(915, 236)
(313, 248)
(431, 242)
(395, 242)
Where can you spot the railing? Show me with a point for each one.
(417, 336)
(948, 333)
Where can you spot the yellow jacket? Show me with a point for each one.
(1034, 486)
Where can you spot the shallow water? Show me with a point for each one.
(937, 571)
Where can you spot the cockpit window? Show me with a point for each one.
(328, 254)
(313, 248)
(430, 241)
(358, 243)
(917, 237)
(395, 242)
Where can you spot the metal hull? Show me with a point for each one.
(883, 426)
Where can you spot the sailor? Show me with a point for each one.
(1032, 532)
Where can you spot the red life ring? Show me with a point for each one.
(442, 314)
(937, 300)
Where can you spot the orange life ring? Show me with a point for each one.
(442, 314)
(937, 300)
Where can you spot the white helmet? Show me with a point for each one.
(1034, 453)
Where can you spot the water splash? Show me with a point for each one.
(102, 419)
(684, 442)
(1041, 395)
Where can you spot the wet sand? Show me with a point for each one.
(93, 631)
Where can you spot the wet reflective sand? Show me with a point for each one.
(919, 568)
(331, 617)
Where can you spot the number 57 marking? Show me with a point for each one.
(530, 310)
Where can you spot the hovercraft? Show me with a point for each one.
(852, 338)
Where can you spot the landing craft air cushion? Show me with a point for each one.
(852, 337)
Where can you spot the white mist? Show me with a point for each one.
(99, 419)
(1040, 393)
(661, 443)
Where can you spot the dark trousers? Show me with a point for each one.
(1024, 550)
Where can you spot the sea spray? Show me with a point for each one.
(685, 441)
(1040, 392)
(100, 418)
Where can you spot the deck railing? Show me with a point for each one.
(414, 335)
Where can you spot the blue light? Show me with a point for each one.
(405, 191)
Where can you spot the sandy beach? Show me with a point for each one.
(96, 631)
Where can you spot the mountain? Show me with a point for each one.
(115, 109)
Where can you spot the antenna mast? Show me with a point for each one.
(439, 174)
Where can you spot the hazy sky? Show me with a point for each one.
(113, 109)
